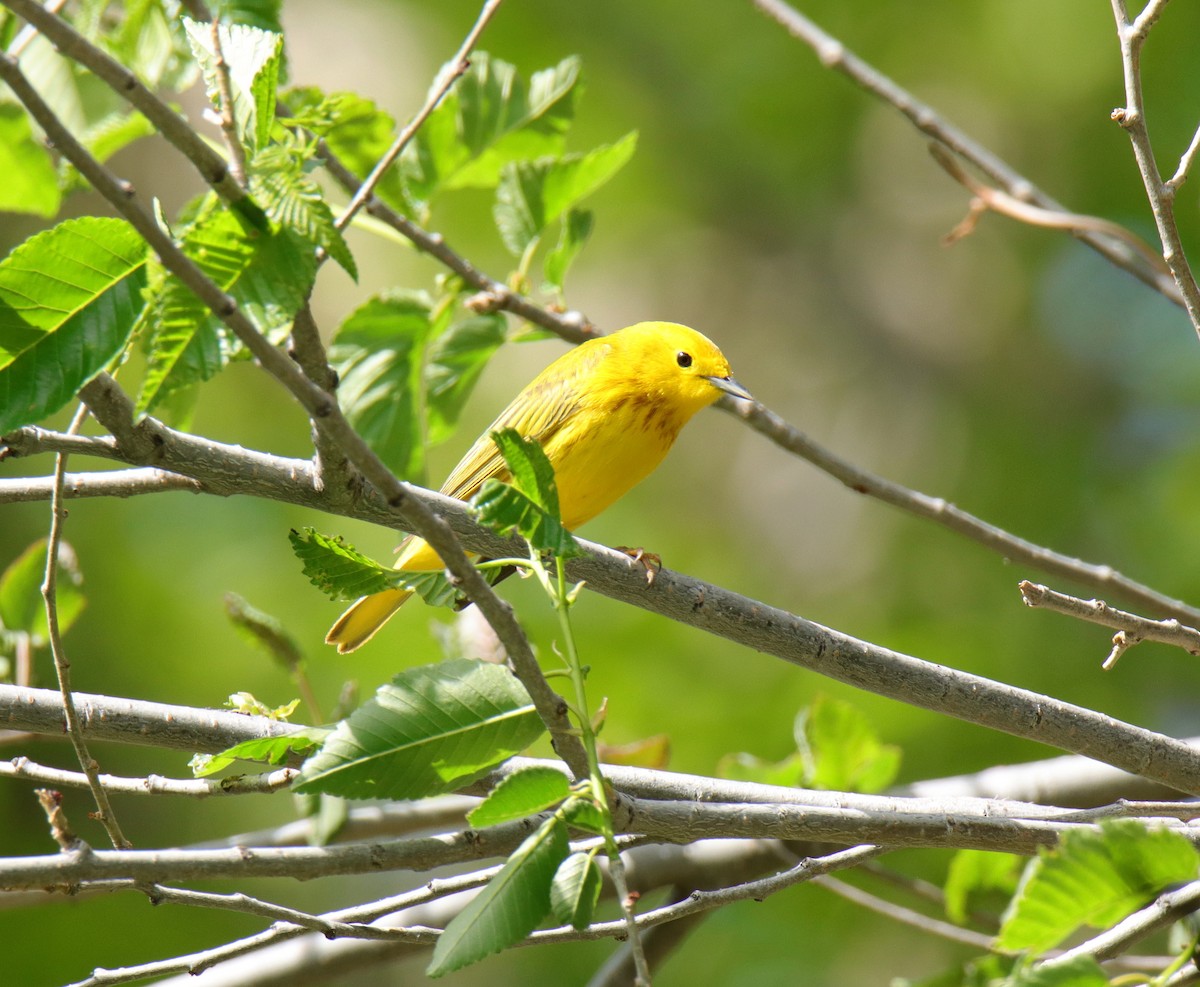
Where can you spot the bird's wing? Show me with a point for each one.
(537, 413)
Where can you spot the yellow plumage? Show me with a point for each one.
(605, 413)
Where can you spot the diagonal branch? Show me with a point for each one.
(833, 54)
(449, 74)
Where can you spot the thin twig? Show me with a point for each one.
(906, 916)
(257, 784)
(60, 829)
(111, 483)
(1132, 628)
(229, 130)
(62, 665)
(986, 198)
(1165, 910)
(1132, 118)
(450, 73)
(1175, 182)
(833, 54)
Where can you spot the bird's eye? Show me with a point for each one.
(683, 359)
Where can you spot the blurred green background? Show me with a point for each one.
(797, 222)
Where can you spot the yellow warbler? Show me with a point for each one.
(605, 413)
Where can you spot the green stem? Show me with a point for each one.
(616, 868)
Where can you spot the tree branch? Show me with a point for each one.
(1132, 627)
(256, 784)
(1132, 118)
(833, 54)
(62, 666)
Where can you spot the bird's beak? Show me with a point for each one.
(730, 386)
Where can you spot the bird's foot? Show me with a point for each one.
(649, 561)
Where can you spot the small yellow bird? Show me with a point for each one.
(605, 413)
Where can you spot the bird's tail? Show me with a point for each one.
(365, 616)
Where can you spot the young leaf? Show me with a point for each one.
(356, 130)
(533, 194)
(30, 181)
(453, 364)
(530, 504)
(253, 57)
(509, 907)
(488, 119)
(22, 607)
(575, 890)
(521, 794)
(272, 750)
(429, 731)
(576, 228)
(69, 299)
(268, 274)
(262, 14)
(293, 200)
(1093, 878)
(378, 357)
(842, 750)
(583, 813)
(975, 871)
(341, 572)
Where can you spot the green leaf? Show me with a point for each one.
(509, 907)
(356, 130)
(583, 813)
(431, 730)
(842, 749)
(488, 119)
(254, 57)
(377, 353)
(22, 606)
(264, 14)
(975, 871)
(293, 200)
(30, 181)
(575, 890)
(530, 504)
(271, 750)
(576, 228)
(533, 194)
(521, 794)
(454, 361)
(69, 299)
(1094, 878)
(268, 275)
(341, 572)
(148, 38)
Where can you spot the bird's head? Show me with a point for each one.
(675, 363)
